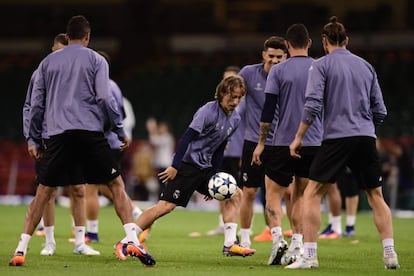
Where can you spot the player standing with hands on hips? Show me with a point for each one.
(345, 87)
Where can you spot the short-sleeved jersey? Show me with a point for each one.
(287, 80)
(255, 77)
(214, 127)
(346, 87)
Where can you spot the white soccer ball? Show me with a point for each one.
(222, 186)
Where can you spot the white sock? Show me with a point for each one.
(136, 212)
(230, 230)
(50, 234)
(23, 243)
(388, 245)
(296, 241)
(350, 220)
(310, 250)
(131, 231)
(92, 226)
(276, 234)
(245, 237)
(337, 224)
(79, 236)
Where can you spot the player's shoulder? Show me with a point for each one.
(209, 106)
(249, 69)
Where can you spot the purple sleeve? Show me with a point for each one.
(379, 111)
(37, 110)
(314, 93)
(107, 100)
(26, 111)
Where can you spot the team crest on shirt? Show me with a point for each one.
(245, 177)
(176, 194)
(258, 87)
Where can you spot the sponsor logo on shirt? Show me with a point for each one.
(258, 87)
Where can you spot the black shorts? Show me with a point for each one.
(77, 157)
(347, 184)
(231, 165)
(281, 167)
(253, 175)
(189, 178)
(40, 164)
(359, 153)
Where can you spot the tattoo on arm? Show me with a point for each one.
(263, 132)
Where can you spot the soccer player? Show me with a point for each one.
(198, 157)
(71, 93)
(345, 87)
(92, 191)
(232, 153)
(285, 96)
(76, 192)
(274, 51)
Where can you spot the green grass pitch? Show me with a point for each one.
(178, 254)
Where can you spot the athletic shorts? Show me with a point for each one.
(40, 164)
(78, 157)
(359, 153)
(253, 175)
(281, 167)
(189, 178)
(347, 184)
(231, 165)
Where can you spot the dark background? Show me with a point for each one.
(168, 56)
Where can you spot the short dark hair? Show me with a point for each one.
(78, 26)
(335, 32)
(60, 38)
(275, 42)
(232, 68)
(297, 35)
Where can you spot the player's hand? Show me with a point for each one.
(294, 148)
(34, 152)
(256, 155)
(207, 198)
(168, 174)
(125, 143)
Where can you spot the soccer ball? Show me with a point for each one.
(222, 186)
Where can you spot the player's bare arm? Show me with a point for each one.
(297, 142)
(263, 132)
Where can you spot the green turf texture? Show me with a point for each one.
(178, 254)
